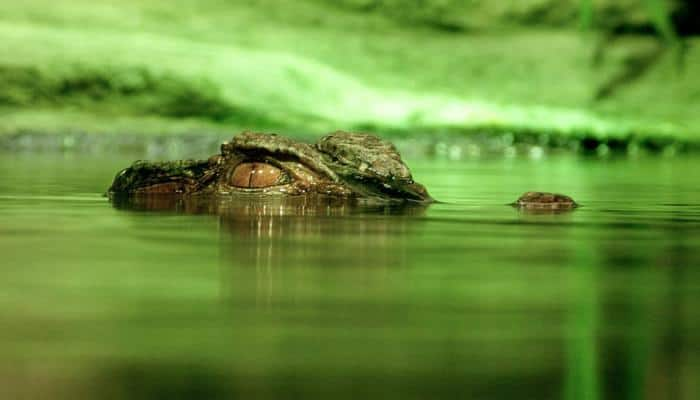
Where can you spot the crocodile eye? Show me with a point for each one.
(256, 175)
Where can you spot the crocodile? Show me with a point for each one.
(339, 165)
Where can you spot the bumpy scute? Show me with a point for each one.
(545, 201)
(370, 164)
(182, 176)
(365, 155)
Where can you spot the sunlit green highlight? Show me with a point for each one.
(297, 77)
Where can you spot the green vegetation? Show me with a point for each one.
(132, 90)
(314, 66)
(661, 19)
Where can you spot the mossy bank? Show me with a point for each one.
(309, 67)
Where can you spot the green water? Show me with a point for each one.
(466, 299)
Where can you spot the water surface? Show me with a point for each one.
(464, 299)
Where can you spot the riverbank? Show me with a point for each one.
(77, 67)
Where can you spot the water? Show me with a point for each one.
(465, 299)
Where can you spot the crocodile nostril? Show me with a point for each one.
(255, 175)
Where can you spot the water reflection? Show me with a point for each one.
(325, 298)
(260, 236)
(296, 299)
(260, 206)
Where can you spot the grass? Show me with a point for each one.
(313, 67)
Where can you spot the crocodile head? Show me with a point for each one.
(342, 164)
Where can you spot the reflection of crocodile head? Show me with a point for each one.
(262, 236)
(342, 165)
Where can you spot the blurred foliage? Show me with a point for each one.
(658, 15)
(394, 67)
(133, 88)
(460, 15)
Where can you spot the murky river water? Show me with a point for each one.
(466, 299)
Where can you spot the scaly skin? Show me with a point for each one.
(345, 165)
(340, 165)
(544, 201)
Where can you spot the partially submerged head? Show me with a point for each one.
(545, 201)
(341, 164)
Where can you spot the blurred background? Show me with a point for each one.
(617, 71)
(286, 298)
